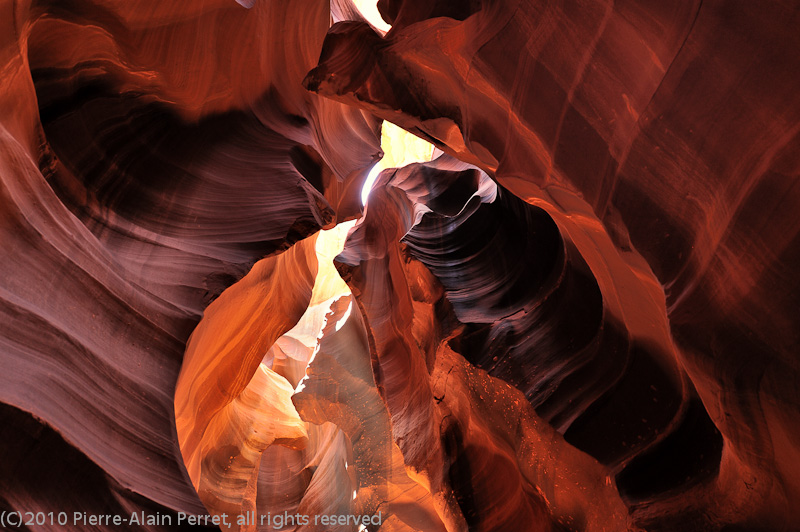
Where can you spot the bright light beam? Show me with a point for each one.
(371, 177)
(369, 10)
(400, 148)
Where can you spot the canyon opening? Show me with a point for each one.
(405, 265)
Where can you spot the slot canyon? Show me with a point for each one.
(454, 265)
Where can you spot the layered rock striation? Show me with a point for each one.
(581, 315)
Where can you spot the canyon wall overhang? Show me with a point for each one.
(582, 315)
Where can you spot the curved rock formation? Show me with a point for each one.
(632, 108)
(146, 165)
(581, 315)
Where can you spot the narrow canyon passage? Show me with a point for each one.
(400, 265)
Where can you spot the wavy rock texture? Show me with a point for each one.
(582, 317)
(677, 127)
(460, 430)
(150, 155)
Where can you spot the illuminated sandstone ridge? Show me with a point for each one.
(150, 156)
(683, 144)
(582, 316)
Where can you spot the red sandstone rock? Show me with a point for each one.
(584, 317)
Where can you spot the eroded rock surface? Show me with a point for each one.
(582, 316)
